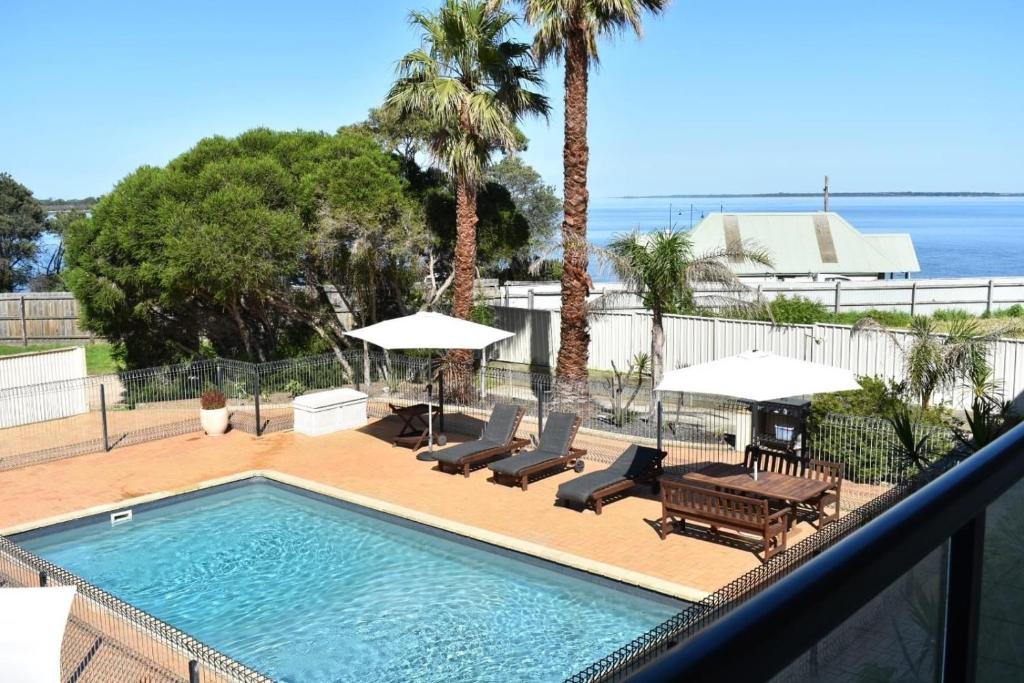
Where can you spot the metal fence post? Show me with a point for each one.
(193, 671)
(103, 415)
(659, 420)
(256, 398)
(913, 298)
(839, 289)
(540, 413)
(988, 300)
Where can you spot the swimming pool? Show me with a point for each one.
(306, 588)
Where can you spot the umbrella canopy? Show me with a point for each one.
(428, 330)
(759, 376)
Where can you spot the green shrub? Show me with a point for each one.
(849, 427)
(951, 314)
(798, 310)
(885, 318)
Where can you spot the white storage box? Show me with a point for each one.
(329, 411)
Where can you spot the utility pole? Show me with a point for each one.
(826, 194)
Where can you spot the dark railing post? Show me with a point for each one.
(540, 413)
(963, 601)
(658, 423)
(103, 416)
(256, 397)
(193, 671)
(43, 579)
(440, 397)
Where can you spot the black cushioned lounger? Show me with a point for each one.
(636, 465)
(498, 439)
(554, 451)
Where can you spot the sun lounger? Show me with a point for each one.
(554, 452)
(636, 465)
(498, 440)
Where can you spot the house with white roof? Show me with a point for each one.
(814, 245)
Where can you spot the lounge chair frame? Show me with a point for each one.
(652, 476)
(467, 462)
(568, 459)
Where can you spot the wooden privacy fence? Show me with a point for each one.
(617, 337)
(40, 318)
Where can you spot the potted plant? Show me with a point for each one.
(213, 415)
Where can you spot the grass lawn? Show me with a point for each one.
(98, 360)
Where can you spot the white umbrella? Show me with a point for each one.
(32, 622)
(759, 376)
(427, 330)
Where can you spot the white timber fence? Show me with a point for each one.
(689, 340)
(62, 369)
(917, 297)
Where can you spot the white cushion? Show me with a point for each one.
(32, 622)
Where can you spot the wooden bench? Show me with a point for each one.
(722, 510)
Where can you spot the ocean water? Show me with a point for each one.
(953, 236)
(309, 591)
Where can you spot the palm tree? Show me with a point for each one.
(471, 84)
(662, 269)
(568, 30)
(934, 361)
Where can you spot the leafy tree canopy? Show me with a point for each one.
(234, 245)
(22, 222)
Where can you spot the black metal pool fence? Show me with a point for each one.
(107, 639)
(44, 422)
(65, 419)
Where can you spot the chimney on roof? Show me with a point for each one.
(826, 194)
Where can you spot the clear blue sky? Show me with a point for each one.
(746, 96)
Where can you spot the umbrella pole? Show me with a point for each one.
(429, 455)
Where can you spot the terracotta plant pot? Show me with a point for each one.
(214, 422)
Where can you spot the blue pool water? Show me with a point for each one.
(307, 590)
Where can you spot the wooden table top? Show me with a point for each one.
(768, 484)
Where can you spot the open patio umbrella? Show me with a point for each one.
(427, 330)
(758, 376)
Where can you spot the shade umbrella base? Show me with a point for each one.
(426, 456)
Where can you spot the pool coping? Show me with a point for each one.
(595, 567)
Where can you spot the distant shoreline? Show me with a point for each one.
(764, 195)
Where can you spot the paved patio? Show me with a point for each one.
(362, 465)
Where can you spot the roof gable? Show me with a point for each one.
(807, 242)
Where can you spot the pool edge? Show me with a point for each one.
(594, 567)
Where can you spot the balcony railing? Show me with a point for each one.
(930, 590)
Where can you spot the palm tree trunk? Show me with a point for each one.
(459, 380)
(465, 249)
(657, 347)
(574, 348)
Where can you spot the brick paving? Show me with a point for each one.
(365, 463)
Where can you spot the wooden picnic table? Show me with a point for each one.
(790, 490)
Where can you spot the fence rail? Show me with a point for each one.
(917, 297)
